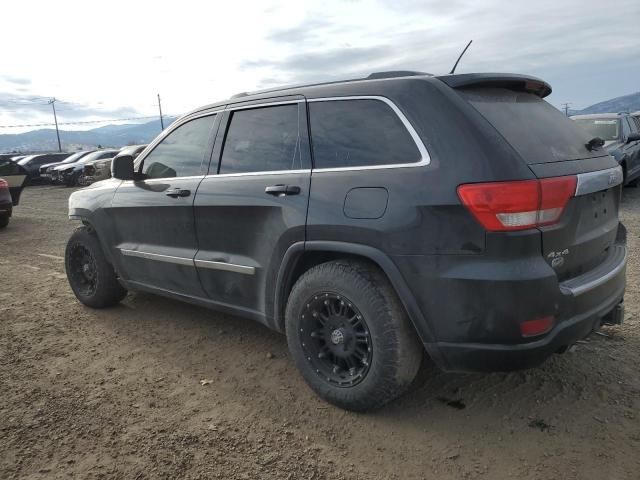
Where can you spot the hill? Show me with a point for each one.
(108, 135)
(626, 103)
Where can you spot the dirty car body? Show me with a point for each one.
(496, 227)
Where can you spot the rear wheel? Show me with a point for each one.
(92, 278)
(350, 337)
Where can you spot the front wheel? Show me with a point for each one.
(91, 277)
(350, 337)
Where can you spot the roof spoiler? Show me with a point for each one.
(522, 83)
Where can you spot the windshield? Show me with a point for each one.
(95, 156)
(26, 159)
(74, 158)
(539, 132)
(605, 128)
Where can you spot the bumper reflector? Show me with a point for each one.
(531, 328)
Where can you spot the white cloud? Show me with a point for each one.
(115, 56)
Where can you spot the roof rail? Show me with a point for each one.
(395, 74)
(373, 76)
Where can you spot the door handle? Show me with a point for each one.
(177, 192)
(281, 190)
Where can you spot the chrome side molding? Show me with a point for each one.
(600, 180)
(228, 267)
(156, 256)
(189, 262)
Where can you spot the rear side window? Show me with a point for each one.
(358, 133)
(539, 132)
(262, 140)
(180, 154)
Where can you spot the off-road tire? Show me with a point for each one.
(396, 351)
(107, 290)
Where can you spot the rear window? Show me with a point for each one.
(539, 132)
(358, 133)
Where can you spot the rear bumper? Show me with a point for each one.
(6, 207)
(490, 357)
(475, 304)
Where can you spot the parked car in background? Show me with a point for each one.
(69, 174)
(621, 135)
(101, 169)
(369, 219)
(15, 175)
(6, 203)
(32, 163)
(47, 169)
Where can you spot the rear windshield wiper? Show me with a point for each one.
(595, 142)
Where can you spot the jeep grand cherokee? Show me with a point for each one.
(370, 220)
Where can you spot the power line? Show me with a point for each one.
(80, 123)
(566, 106)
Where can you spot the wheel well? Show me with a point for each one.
(303, 263)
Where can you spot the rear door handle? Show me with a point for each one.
(281, 190)
(177, 192)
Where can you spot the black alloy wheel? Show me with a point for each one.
(83, 270)
(336, 339)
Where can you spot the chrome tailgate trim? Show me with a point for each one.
(591, 182)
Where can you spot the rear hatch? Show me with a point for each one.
(552, 145)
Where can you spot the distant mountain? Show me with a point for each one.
(106, 136)
(627, 103)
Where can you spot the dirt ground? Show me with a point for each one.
(117, 393)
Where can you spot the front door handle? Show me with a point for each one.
(177, 192)
(281, 190)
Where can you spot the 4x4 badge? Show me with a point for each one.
(557, 258)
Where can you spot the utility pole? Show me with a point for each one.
(52, 102)
(160, 108)
(566, 108)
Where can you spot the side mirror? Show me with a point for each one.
(122, 167)
(633, 137)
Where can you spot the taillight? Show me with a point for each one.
(518, 205)
(3, 184)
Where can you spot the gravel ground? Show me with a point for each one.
(118, 393)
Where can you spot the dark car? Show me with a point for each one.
(621, 135)
(6, 203)
(69, 174)
(15, 175)
(370, 220)
(32, 163)
(46, 170)
(101, 169)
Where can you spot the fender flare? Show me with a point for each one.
(297, 250)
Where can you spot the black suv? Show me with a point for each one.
(368, 219)
(621, 135)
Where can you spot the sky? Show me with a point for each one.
(109, 60)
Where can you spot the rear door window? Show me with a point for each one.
(264, 139)
(539, 132)
(359, 133)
